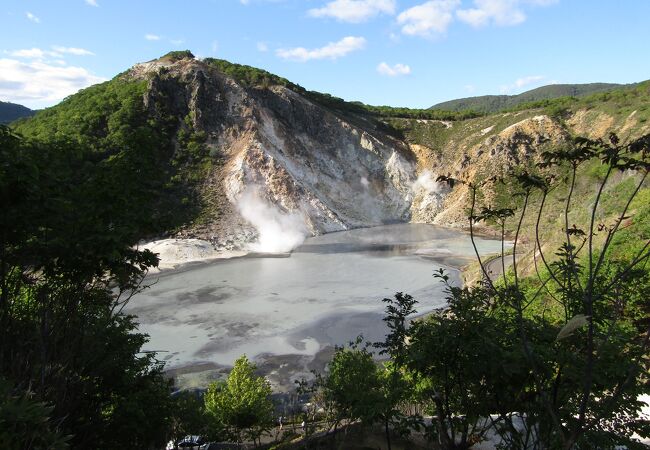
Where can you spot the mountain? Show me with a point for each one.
(12, 111)
(235, 153)
(240, 153)
(494, 103)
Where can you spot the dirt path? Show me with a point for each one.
(494, 267)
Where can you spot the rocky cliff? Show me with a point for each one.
(286, 162)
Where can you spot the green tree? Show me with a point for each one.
(359, 389)
(470, 367)
(353, 384)
(67, 267)
(242, 403)
(580, 324)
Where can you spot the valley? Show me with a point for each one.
(261, 224)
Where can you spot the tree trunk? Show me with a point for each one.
(387, 434)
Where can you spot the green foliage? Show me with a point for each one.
(242, 403)
(354, 385)
(26, 423)
(251, 76)
(111, 126)
(357, 389)
(496, 103)
(588, 373)
(622, 100)
(177, 55)
(100, 117)
(67, 267)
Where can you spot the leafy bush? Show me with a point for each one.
(26, 423)
(177, 55)
(242, 403)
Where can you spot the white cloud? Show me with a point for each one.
(56, 52)
(521, 83)
(215, 46)
(332, 50)
(244, 2)
(32, 17)
(92, 3)
(498, 12)
(393, 71)
(469, 88)
(354, 11)
(72, 50)
(152, 37)
(262, 47)
(177, 42)
(541, 2)
(31, 53)
(525, 81)
(427, 19)
(37, 84)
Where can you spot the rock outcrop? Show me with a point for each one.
(294, 156)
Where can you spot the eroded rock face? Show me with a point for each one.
(296, 157)
(494, 155)
(286, 162)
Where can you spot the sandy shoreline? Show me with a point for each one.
(174, 253)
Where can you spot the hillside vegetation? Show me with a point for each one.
(495, 103)
(12, 111)
(254, 77)
(110, 121)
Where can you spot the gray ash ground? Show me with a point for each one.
(287, 313)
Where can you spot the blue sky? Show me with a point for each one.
(385, 52)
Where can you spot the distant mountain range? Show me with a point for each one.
(494, 103)
(12, 111)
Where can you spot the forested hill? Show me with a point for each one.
(494, 103)
(12, 111)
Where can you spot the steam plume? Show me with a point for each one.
(279, 232)
(426, 182)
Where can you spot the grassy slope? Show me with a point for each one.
(625, 111)
(495, 103)
(596, 115)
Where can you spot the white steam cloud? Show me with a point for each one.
(279, 232)
(426, 182)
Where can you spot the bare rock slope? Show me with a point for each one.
(286, 162)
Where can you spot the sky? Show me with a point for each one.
(412, 53)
